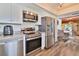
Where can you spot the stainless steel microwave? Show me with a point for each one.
(29, 16)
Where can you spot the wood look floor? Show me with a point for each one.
(60, 49)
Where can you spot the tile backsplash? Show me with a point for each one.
(16, 27)
(28, 24)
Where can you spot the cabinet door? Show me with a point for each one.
(5, 12)
(20, 48)
(16, 13)
(2, 49)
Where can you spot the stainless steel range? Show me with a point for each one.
(33, 39)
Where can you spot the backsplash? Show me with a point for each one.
(16, 27)
(28, 24)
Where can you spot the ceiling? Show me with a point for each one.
(58, 8)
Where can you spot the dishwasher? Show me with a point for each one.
(11, 48)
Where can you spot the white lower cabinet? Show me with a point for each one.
(2, 49)
(20, 48)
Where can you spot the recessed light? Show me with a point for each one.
(27, 12)
(31, 13)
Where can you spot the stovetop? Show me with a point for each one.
(32, 35)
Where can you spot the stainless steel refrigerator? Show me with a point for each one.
(48, 27)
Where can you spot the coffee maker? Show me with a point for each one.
(8, 30)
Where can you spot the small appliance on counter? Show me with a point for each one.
(8, 30)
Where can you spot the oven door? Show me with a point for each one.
(33, 44)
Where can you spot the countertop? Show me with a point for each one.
(16, 36)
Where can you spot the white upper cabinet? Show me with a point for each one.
(5, 12)
(10, 13)
(16, 13)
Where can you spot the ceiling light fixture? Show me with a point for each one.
(60, 4)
